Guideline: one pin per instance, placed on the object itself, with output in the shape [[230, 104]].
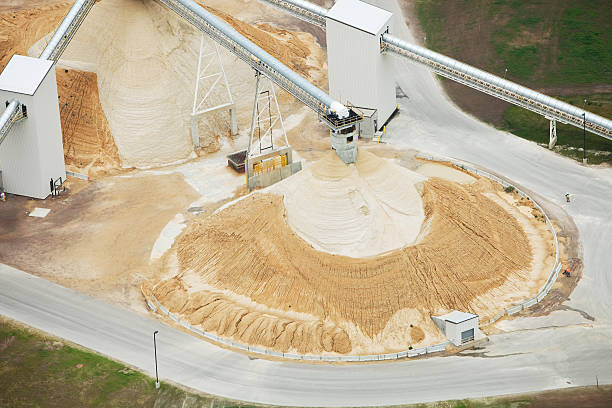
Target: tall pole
[[584, 158], [155, 348]]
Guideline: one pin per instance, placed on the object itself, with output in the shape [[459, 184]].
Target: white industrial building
[[32, 154], [358, 73], [458, 327]]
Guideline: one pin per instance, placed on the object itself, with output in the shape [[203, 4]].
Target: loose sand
[[245, 274], [145, 58], [357, 211], [89, 147]]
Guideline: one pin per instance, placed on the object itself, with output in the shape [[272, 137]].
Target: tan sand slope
[[245, 274], [89, 147], [146, 58], [357, 210]]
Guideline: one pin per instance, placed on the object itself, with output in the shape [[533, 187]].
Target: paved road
[[184, 359], [543, 357]]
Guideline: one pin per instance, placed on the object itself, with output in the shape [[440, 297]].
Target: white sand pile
[[357, 210], [146, 60]]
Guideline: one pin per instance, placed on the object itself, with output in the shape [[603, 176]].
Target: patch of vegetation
[[40, 371], [37, 370], [570, 139], [563, 44]]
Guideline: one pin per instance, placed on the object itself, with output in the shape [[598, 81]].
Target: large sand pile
[[357, 211], [244, 273], [145, 58]]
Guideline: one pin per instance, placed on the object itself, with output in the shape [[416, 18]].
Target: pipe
[[63, 29], [259, 56], [7, 118]]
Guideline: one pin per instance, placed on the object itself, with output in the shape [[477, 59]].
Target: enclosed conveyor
[[67, 29], [13, 113], [334, 114], [304, 10], [551, 108], [498, 87]]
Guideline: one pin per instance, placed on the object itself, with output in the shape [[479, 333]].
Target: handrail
[[500, 88], [468, 75]]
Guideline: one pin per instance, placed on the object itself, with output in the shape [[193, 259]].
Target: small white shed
[[458, 327], [358, 73], [32, 154]]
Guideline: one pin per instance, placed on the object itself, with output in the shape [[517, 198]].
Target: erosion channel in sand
[[252, 272]]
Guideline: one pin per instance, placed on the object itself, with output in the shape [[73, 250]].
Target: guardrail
[[155, 305], [554, 273], [436, 348]]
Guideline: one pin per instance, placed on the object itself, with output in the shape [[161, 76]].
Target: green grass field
[[557, 44], [40, 371], [37, 370]]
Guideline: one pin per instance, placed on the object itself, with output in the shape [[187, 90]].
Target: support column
[[195, 137], [553, 134], [208, 94], [233, 121]]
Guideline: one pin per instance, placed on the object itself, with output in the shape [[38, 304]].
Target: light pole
[[505, 72], [155, 348]]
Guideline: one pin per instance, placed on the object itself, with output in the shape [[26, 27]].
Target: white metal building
[[358, 73], [458, 327], [32, 154]]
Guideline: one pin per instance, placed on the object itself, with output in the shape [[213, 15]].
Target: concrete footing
[[345, 146]]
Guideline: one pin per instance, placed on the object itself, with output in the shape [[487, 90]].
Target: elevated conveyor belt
[[493, 85], [54, 49], [304, 10], [498, 87], [11, 115], [66, 30], [331, 112]]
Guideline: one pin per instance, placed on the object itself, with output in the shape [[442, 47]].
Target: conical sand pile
[[245, 274]]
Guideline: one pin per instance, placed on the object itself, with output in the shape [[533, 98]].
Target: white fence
[[402, 354], [554, 273], [306, 357]]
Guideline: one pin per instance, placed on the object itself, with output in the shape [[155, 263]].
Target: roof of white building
[[360, 15], [24, 74], [457, 317]]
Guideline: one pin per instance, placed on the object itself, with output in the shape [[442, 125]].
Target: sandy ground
[[89, 147], [97, 237], [245, 274]]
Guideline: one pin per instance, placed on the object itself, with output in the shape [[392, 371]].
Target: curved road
[[540, 353]]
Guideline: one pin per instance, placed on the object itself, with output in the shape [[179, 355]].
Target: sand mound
[[146, 58], [247, 262], [358, 210]]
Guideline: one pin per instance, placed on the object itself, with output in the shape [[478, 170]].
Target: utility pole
[[155, 348]]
